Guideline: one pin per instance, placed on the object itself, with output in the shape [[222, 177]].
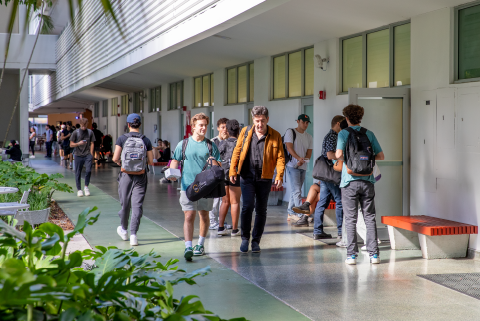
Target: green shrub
[[38, 281]]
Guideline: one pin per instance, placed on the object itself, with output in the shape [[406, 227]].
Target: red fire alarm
[[322, 94], [184, 108]]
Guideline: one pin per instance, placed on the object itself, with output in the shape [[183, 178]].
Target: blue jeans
[[295, 177], [328, 191]]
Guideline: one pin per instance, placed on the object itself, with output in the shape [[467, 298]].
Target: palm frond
[[47, 25]]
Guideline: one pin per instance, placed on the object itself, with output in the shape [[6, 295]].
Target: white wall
[[445, 133]]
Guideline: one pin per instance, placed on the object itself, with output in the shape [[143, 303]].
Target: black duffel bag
[[206, 183], [323, 170]]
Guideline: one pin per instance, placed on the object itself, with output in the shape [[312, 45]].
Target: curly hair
[[233, 128], [354, 113]]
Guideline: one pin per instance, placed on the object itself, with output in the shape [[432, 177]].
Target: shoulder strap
[[209, 144], [184, 148], [294, 134], [363, 130]]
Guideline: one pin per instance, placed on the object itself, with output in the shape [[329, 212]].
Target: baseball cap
[[131, 118], [305, 118]]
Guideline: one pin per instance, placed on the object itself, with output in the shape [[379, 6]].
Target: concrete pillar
[[401, 239], [444, 246], [23, 112]]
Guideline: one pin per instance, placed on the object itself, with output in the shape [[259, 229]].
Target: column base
[[444, 246], [401, 239]]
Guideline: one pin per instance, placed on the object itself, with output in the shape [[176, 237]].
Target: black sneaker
[[244, 246], [303, 209], [255, 247], [323, 235], [303, 221]]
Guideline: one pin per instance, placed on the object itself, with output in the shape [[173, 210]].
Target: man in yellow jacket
[[258, 152]]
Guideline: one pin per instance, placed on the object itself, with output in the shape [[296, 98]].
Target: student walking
[[359, 148], [67, 150], [257, 153], [133, 152], [32, 138], [222, 136], [197, 151], [59, 142], [98, 140], [328, 190], [233, 190], [48, 141], [83, 141], [299, 146]]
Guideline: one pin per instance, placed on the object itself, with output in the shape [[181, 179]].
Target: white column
[[23, 112]]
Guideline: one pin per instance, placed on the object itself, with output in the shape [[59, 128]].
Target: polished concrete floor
[[294, 276]]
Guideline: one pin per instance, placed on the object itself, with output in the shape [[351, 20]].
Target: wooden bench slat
[[429, 225]]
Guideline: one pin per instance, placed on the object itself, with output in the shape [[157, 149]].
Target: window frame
[[174, 99], [363, 34], [247, 65], [211, 101], [302, 71], [456, 80]]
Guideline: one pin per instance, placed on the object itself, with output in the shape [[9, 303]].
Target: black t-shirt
[[66, 141], [122, 139], [15, 153], [98, 137], [166, 155]]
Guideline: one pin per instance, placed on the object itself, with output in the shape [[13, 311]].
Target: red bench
[[163, 164], [436, 237]]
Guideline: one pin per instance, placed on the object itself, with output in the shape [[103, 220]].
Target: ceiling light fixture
[[222, 37]]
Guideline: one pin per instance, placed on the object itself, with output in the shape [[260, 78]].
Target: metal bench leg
[[401, 239], [444, 246]]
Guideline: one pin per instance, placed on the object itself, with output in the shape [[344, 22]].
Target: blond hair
[[199, 116]]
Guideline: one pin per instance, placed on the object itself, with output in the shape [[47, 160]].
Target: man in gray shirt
[[48, 141], [82, 140]]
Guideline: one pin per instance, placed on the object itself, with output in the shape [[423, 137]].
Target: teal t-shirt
[[196, 156], [341, 144]]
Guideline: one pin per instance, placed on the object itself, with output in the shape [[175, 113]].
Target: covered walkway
[[293, 278]]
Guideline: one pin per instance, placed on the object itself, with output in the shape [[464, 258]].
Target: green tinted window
[[378, 59], [352, 63], [469, 43], [401, 55]]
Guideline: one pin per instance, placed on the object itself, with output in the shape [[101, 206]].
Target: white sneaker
[[213, 225], [87, 191], [239, 233], [133, 240], [351, 260], [61, 158], [32, 156], [375, 259], [155, 160], [80, 193], [71, 165], [364, 248], [341, 244], [122, 233], [223, 232]]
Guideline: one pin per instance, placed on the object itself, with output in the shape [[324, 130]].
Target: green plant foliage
[[41, 186], [38, 281]]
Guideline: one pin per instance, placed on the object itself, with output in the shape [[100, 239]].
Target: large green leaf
[[111, 260]]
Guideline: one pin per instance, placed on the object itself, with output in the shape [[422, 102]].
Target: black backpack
[[359, 154], [226, 150], [288, 157], [210, 182]]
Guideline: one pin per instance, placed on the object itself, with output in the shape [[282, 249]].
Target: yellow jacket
[[272, 154]]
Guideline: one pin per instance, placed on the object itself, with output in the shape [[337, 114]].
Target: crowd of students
[[254, 160]]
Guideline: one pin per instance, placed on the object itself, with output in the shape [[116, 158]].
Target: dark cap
[[131, 118], [13, 142], [305, 118]]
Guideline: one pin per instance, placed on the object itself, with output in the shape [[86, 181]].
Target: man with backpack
[[359, 149], [328, 190], [299, 145], [193, 153], [258, 153], [133, 152], [82, 140]]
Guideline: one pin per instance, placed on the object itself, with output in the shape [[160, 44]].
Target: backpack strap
[[363, 130], [210, 147], [184, 148], [294, 135]]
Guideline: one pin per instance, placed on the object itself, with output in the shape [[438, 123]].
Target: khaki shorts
[[204, 204]]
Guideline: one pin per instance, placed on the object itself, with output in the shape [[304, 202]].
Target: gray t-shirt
[[77, 136]]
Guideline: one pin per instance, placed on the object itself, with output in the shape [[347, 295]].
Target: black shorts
[[237, 182], [67, 150], [96, 148]]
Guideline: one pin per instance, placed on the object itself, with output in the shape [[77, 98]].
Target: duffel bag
[[205, 182], [323, 170]]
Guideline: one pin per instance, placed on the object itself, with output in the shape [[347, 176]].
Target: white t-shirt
[[303, 142]]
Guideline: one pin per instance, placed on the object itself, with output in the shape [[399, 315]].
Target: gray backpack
[[134, 154]]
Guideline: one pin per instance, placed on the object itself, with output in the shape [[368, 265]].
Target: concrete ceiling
[[295, 24]]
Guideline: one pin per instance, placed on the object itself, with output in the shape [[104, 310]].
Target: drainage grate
[[466, 283]]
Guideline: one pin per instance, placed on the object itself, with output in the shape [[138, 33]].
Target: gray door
[[387, 112]]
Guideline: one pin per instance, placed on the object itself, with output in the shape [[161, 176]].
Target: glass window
[[309, 68], [136, 102], [401, 55], [279, 77], [232, 86], [352, 63], [206, 90], [105, 108], [211, 90], [114, 110], [295, 74], [151, 101], [469, 42], [198, 92], [242, 84], [378, 59], [179, 102], [96, 110], [176, 95], [251, 81], [158, 99]]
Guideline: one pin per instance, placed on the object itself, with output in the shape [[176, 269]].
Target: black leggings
[[32, 147]]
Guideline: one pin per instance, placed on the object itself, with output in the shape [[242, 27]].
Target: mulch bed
[[58, 217]]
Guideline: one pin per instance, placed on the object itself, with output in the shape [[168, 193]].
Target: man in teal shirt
[[358, 189], [197, 154]]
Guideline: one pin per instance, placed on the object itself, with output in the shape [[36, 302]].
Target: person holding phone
[[83, 141]]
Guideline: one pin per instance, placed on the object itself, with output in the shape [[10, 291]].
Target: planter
[[33, 217]]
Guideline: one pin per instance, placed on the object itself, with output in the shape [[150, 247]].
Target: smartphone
[[84, 141]]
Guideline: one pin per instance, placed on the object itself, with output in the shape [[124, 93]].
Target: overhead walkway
[[294, 277]]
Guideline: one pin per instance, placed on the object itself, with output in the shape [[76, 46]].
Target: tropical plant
[[39, 281]]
